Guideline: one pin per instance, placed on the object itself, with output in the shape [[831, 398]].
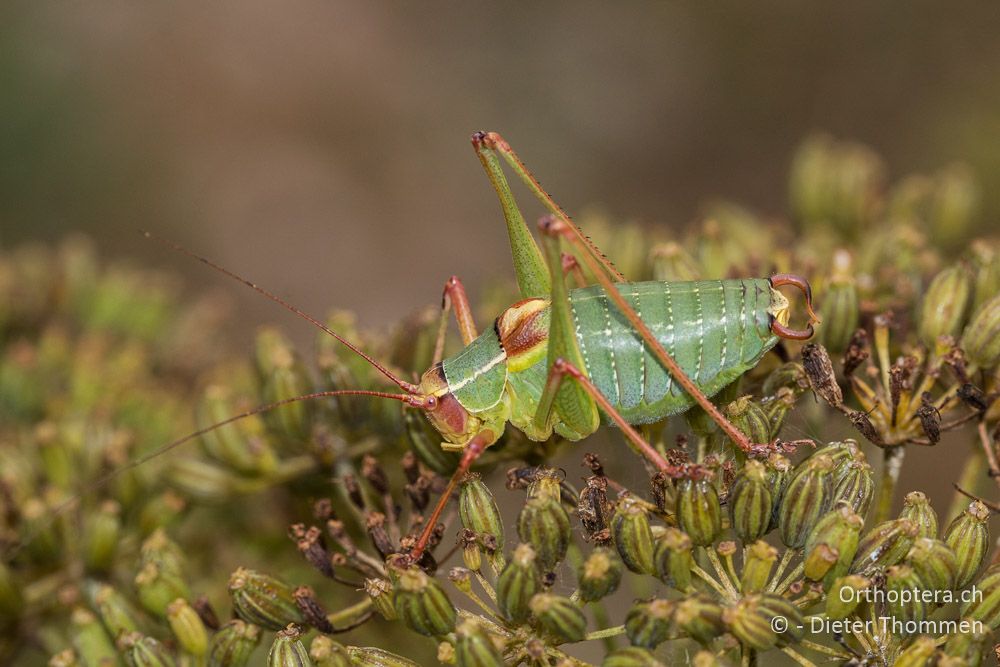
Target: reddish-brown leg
[[561, 369], [555, 227], [454, 297], [572, 267], [472, 451], [491, 141]]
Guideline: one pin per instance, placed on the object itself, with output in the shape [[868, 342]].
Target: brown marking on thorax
[[522, 329]]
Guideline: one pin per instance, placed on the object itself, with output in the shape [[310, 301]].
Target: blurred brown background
[[322, 147]]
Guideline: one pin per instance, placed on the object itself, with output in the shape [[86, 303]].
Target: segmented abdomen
[[716, 330]]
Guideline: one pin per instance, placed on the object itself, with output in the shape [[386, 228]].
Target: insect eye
[[431, 403]]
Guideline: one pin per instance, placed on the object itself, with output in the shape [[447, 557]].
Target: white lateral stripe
[[500, 358]]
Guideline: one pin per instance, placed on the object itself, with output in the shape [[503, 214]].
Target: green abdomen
[[716, 330]]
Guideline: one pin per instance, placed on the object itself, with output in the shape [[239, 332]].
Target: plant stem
[[972, 473], [349, 614], [776, 577], [606, 632], [989, 450], [720, 571], [707, 578], [601, 618], [790, 579], [801, 659], [892, 464], [820, 648]]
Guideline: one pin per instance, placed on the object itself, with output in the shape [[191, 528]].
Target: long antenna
[[107, 477], [402, 384]]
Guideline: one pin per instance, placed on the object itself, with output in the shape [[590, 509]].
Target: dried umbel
[[99, 367]]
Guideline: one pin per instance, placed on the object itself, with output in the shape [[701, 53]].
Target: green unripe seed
[[674, 558], [560, 616], [633, 656], [805, 500], [760, 559], [283, 376], [287, 650], [325, 652], [474, 646], [917, 508], [544, 524], [422, 604], [599, 575], [884, 545], [981, 340], [633, 535], [700, 617], [900, 583], [234, 444], [647, 624], [91, 642], [774, 606], [116, 613], [142, 651], [934, 562], [836, 534], [855, 484], [844, 595], [946, 303], [698, 511], [519, 581], [985, 605], [263, 600], [159, 587], [383, 597], [918, 654], [968, 646], [101, 536], [750, 418], [750, 625], [233, 644], [969, 537], [187, 627], [478, 509], [840, 314], [779, 473], [750, 502]]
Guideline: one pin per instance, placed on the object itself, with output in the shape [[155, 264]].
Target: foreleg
[[454, 297]]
